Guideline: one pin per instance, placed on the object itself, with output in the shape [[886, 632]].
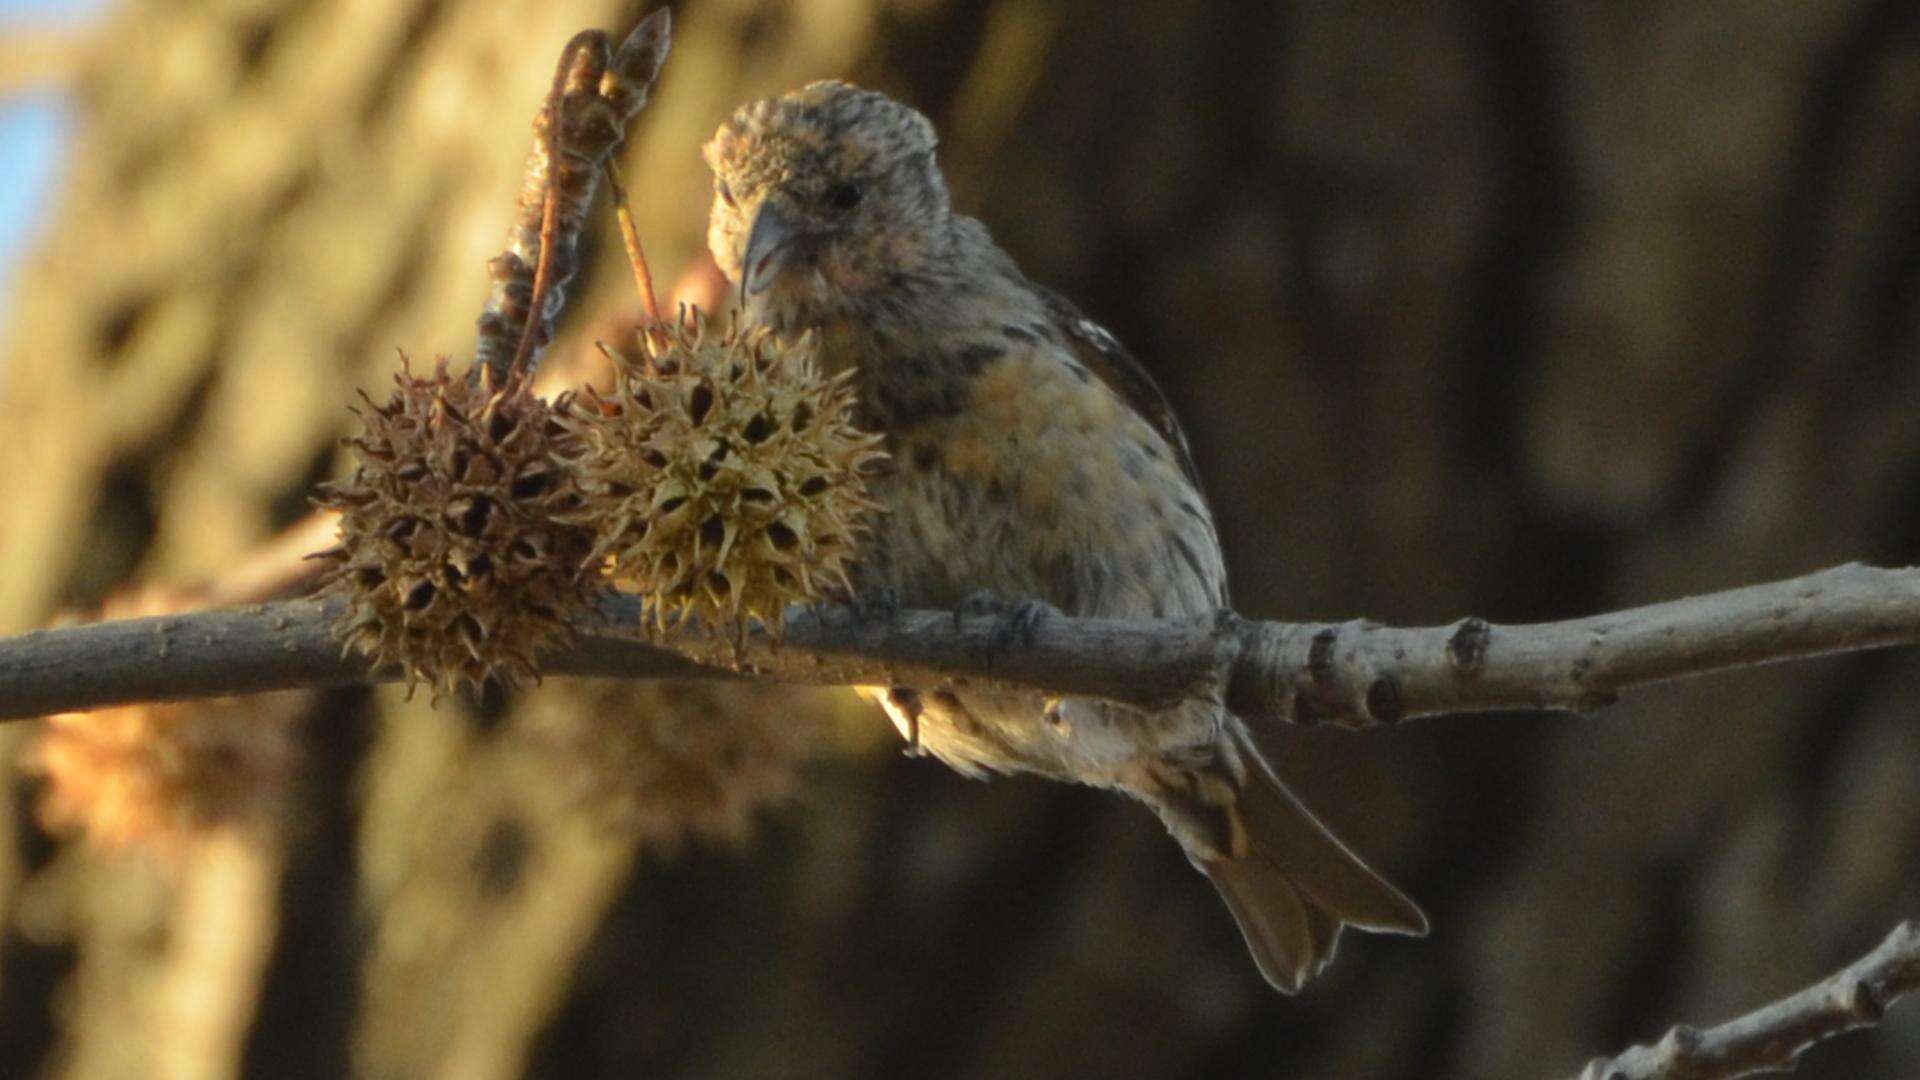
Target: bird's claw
[[876, 604], [1019, 619]]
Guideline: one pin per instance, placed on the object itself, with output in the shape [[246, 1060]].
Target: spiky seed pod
[[723, 474], [452, 554], [161, 776]]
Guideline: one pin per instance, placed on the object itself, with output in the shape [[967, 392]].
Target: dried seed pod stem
[[596, 93], [630, 235]]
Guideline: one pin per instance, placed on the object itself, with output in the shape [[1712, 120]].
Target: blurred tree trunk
[[1524, 310]]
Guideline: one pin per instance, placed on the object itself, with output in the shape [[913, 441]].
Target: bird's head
[[822, 196]]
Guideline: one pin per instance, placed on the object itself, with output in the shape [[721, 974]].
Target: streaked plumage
[[1036, 459]]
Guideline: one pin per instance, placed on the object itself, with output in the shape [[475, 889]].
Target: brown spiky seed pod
[[452, 553], [723, 474]]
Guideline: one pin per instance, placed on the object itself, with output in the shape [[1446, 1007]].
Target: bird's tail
[[1290, 883]]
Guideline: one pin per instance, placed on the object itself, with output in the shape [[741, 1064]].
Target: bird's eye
[[726, 193], [844, 196]]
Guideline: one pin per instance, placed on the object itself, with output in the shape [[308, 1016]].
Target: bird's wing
[[1102, 353]]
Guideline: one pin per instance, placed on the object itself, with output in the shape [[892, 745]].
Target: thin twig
[[1772, 1038], [630, 235], [1354, 673]]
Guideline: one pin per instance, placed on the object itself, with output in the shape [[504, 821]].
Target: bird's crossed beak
[[771, 244]]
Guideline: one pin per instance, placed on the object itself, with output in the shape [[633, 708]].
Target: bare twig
[[231, 651], [596, 92], [1355, 673], [1772, 1038], [630, 235]]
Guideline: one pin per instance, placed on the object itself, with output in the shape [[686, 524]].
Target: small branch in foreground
[[1772, 1038], [1355, 673]]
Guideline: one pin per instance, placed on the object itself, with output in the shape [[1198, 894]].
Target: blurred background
[[1525, 310]]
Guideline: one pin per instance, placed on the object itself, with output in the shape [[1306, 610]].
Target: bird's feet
[[1019, 619], [873, 605]]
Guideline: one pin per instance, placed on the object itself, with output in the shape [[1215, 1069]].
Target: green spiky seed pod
[[453, 555], [723, 475]]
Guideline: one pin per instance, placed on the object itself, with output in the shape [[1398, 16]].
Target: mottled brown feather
[[1110, 361]]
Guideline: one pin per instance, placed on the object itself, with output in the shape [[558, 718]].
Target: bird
[[1035, 468]]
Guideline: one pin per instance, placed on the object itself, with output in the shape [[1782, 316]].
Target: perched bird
[[1036, 461]]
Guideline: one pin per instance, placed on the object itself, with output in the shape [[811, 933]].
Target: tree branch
[[1354, 673], [1772, 1038]]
